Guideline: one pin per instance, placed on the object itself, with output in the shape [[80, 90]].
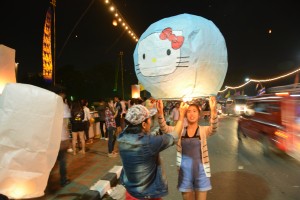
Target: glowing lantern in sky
[[30, 132], [181, 56], [135, 91], [7, 66]]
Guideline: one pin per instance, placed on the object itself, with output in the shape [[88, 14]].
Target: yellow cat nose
[[154, 60]]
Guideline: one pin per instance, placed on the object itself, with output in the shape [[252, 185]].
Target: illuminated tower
[[48, 57]]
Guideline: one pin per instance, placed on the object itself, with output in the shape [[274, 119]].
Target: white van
[[236, 104]]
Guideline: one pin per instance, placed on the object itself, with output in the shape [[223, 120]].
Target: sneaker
[[106, 138], [111, 155], [103, 138], [70, 150]]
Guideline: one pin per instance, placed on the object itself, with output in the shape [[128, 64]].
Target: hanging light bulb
[[114, 23]]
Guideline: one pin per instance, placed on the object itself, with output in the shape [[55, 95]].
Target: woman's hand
[[213, 106], [160, 107], [182, 110]]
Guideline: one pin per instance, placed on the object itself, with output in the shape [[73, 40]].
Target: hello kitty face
[[159, 54]]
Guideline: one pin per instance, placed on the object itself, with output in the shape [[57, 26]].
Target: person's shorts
[[118, 120], [193, 180]]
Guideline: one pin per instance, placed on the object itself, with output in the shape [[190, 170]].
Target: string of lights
[[119, 19], [259, 81]]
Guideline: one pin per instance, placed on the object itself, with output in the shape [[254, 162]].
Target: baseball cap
[[139, 113]]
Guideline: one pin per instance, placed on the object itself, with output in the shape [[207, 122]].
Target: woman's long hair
[[76, 108]]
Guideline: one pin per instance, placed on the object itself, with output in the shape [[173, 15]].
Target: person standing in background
[[118, 109], [123, 113], [87, 117], [101, 113], [175, 114], [77, 116], [64, 144], [110, 115]]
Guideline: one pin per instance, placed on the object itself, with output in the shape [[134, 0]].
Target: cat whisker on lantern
[[182, 62], [182, 66]]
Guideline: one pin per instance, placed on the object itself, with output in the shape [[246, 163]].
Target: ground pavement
[[83, 171]]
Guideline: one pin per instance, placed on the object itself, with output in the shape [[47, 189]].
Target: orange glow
[[281, 134], [135, 91], [112, 8], [115, 23], [19, 189], [282, 94], [7, 66]]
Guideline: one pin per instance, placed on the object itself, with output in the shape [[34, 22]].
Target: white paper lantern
[[135, 91], [181, 56], [30, 134], [7, 66]]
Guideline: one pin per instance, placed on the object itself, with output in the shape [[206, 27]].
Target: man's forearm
[[163, 125]]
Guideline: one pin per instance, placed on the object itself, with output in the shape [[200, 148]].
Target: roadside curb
[[101, 187]]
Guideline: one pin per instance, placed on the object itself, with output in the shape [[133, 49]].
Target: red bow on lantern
[[176, 41]]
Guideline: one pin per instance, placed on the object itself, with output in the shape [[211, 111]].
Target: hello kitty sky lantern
[[183, 56]]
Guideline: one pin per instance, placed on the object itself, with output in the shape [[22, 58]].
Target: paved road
[[239, 170], [83, 170]]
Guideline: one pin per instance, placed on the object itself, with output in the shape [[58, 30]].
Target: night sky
[[252, 50]]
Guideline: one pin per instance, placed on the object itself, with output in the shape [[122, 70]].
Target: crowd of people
[[140, 129]]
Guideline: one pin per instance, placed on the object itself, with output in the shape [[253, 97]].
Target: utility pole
[[122, 72]]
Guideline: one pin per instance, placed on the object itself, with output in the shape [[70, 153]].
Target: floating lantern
[[7, 66], [181, 56], [135, 91], [30, 132]]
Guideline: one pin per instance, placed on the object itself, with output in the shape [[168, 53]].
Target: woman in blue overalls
[[194, 170]]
